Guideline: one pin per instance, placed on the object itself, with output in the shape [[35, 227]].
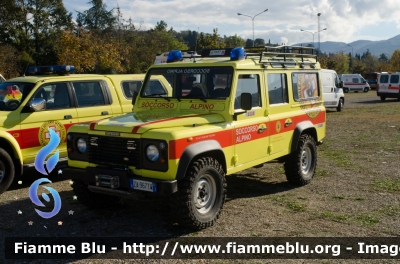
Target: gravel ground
[[355, 194]]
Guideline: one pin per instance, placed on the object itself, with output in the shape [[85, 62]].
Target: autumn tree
[[234, 41], [395, 61]]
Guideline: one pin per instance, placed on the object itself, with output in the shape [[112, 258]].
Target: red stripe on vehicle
[[227, 138], [136, 128]]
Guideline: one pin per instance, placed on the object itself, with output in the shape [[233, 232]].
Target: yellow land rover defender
[[223, 112]]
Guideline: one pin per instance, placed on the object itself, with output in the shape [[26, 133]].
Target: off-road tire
[[301, 164], [339, 108], [383, 98], [91, 199], [201, 194], [7, 170]]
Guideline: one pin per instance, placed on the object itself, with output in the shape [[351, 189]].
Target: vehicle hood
[[138, 123]]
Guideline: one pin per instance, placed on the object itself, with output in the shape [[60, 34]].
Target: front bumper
[[113, 181]]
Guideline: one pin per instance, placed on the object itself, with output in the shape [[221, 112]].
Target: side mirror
[[37, 104], [134, 96], [246, 101]]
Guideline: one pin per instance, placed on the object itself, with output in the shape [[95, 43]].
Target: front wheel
[[339, 108], [366, 90], [301, 164], [7, 170], [201, 194]]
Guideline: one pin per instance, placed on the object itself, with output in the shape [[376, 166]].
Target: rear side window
[[384, 79], [277, 88], [355, 80], [248, 83], [305, 86], [128, 87], [88, 94], [394, 79]]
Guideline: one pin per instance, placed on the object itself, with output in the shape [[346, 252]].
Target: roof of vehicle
[[37, 78], [277, 57]]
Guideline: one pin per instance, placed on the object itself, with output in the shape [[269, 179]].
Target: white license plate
[[143, 185]]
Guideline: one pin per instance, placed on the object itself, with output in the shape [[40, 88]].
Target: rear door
[[394, 85], [92, 100]]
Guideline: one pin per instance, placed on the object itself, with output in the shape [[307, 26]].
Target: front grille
[[114, 151]]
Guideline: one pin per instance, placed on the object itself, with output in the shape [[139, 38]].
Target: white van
[[332, 89], [354, 82], [389, 85]]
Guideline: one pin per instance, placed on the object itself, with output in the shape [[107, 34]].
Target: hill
[[360, 46]]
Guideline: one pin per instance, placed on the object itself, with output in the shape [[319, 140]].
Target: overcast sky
[[345, 20]]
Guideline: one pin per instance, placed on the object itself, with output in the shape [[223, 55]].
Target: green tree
[[259, 42], [97, 18], [209, 41], [234, 41], [395, 61]]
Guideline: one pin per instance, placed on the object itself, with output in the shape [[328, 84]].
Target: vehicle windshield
[[199, 82], [12, 94]]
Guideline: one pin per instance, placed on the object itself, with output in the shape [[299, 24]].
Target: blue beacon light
[[174, 55], [238, 53]]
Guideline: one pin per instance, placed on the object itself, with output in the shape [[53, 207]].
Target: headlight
[[81, 145], [152, 153]]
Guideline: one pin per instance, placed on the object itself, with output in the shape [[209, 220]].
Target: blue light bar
[[238, 53], [174, 55], [54, 69]]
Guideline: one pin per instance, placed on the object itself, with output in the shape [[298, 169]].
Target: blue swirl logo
[[45, 151], [35, 199], [40, 167]]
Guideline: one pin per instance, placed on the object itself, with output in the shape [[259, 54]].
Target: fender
[[194, 150], [300, 127], [16, 150]]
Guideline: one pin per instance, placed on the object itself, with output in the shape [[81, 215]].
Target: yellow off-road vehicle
[[222, 113]]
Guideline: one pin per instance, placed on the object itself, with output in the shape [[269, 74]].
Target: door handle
[[288, 123], [104, 113], [68, 117], [260, 130]]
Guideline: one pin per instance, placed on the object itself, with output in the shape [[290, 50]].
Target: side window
[[56, 96], [394, 79], [88, 94], [384, 79], [155, 88], [337, 81], [128, 87], [305, 86], [248, 83], [355, 80], [277, 88]]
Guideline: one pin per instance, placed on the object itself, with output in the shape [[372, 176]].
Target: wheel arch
[[305, 127], [9, 144], [210, 148]]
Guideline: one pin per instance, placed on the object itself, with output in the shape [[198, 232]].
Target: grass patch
[[337, 156], [367, 219], [292, 205], [358, 199], [336, 217], [390, 210], [388, 184]]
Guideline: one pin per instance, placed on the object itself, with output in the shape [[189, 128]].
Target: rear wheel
[[345, 90], [7, 170], [91, 199], [339, 108], [301, 164], [201, 194], [383, 98]]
